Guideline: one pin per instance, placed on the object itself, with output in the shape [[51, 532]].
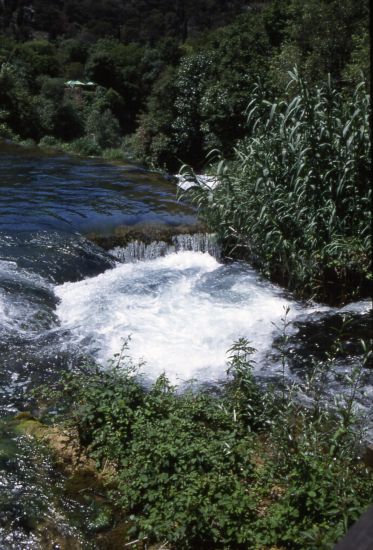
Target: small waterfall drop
[[139, 251]]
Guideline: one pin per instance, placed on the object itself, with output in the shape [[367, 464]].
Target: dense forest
[[170, 80], [129, 21]]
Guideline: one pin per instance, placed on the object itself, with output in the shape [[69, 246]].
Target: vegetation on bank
[[235, 467], [170, 82], [296, 199]]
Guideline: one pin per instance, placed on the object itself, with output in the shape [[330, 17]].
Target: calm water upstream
[[63, 298]]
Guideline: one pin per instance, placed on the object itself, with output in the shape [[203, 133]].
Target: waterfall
[[199, 242], [138, 250]]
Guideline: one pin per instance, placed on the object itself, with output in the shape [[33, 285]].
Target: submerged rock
[[146, 233], [104, 525], [68, 454]]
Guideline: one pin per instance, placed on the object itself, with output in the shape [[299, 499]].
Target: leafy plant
[[235, 467]]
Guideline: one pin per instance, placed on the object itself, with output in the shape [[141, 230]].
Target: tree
[[38, 57], [104, 128], [154, 139], [323, 31], [120, 67], [18, 111], [190, 85]]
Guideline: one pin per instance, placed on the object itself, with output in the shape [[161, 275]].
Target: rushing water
[[62, 298], [183, 312]]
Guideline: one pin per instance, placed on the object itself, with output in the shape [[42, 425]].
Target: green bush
[[84, 146], [7, 133], [113, 154], [124, 153], [104, 128], [27, 142], [17, 106], [237, 467], [49, 141]]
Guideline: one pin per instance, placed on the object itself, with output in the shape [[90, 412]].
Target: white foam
[[363, 306], [200, 180], [183, 312], [3, 310]]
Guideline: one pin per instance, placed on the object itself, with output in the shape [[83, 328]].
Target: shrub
[[49, 141], [238, 467], [104, 128], [6, 132], [27, 142], [84, 146], [114, 154]]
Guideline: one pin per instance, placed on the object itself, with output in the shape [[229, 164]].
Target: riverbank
[[81, 148], [234, 466]]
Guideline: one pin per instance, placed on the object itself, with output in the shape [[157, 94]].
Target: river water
[[63, 299]]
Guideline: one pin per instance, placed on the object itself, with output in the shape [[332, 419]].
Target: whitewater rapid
[[182, 313]]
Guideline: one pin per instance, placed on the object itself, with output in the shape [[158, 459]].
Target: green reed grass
[[296, 199]]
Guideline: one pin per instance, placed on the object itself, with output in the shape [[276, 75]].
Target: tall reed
[[296, 199]]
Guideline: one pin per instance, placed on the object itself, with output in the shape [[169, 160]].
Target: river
[[63, 299]]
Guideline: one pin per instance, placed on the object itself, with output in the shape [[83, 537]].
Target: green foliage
[[190, 85], [52, 89], [73, 51], [359, 65], [56, 114], [296, 199], [49, 141], [112, 64], [153, 141], [6, 132], [241, 467], [323, 32], [103, 127], [241, 54], [16, 102], [68, 121], [39, 57], [114, 154], [84, 146], [190, 110], [142, 21], [180, 75], [286, 57]]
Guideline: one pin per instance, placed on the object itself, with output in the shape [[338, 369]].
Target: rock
[[68, 455], [116, 538], [50, 537], [368, 455], [146, 233], [24, 415], [26, 424], [83, 483]]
